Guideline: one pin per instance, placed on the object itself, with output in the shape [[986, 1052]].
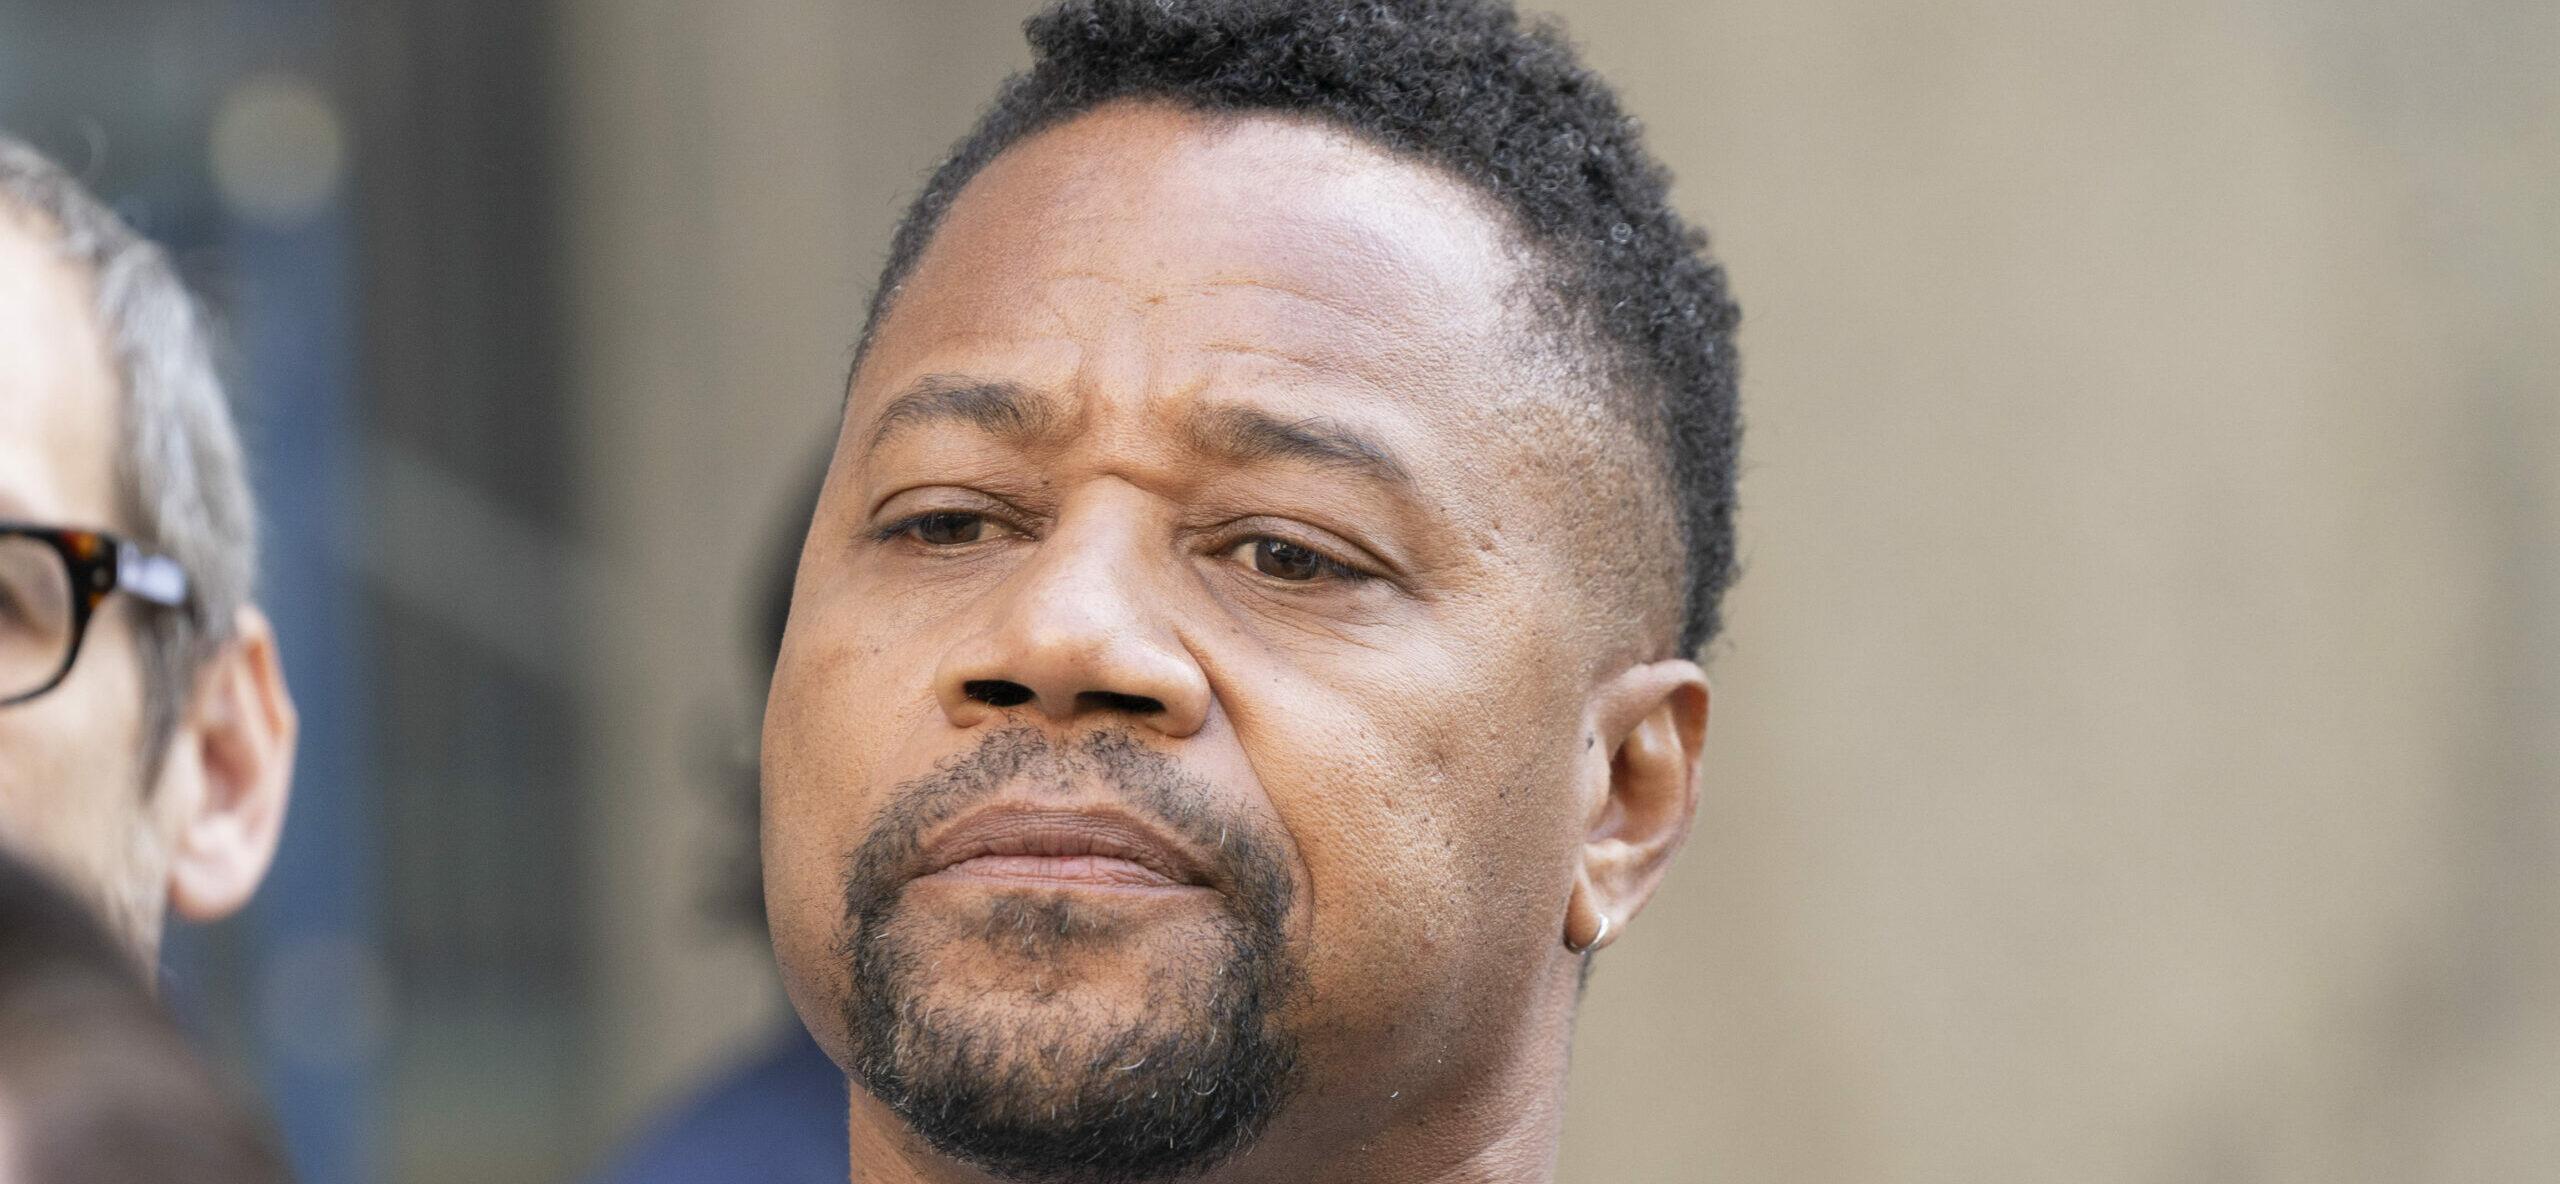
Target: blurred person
[[96, 1084], [146, 737], [777, 1116], [1242, 663]]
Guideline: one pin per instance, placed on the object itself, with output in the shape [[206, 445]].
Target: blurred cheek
[[71, 792]]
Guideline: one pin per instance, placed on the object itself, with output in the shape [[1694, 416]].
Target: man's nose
[[1081, 630]]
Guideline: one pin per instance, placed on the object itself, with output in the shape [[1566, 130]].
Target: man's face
[[1187, 673], [71, 760]]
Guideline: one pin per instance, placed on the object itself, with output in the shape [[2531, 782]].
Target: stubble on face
[[1040, 1079]]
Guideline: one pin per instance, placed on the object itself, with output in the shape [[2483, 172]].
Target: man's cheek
[[68, 792], [831, 717], [803, 897], [1377, 862], [804, 833], [1340, 765]]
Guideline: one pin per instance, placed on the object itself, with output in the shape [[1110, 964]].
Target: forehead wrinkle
[[1343, 306], [1260, 351], [1176, 313], [1330, 345]]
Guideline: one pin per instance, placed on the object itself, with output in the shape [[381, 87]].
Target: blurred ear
[[229, 770], [1649, 725]]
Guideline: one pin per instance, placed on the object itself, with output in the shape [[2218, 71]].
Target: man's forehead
[[1280, 242], [58, 405]]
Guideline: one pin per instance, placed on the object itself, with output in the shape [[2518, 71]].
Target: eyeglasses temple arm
[[156, 578]]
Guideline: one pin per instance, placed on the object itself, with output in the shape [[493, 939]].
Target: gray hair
[[179, 474]]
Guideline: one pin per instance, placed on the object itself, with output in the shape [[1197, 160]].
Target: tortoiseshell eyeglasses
[[52, 581]]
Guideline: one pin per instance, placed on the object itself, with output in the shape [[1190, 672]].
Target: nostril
[[1115, 701], [996, 692]]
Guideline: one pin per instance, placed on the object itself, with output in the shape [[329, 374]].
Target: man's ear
[[229, 770], [1648, 726]]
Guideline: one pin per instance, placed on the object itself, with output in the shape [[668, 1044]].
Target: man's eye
[[945, 529], [1283, 560]]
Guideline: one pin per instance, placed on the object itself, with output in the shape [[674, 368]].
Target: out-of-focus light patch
[[279, 149], [324, 1004]]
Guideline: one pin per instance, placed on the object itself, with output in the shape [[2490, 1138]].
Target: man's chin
[[1038, 1045], [1049, 1036], [1054, 994], [1068, 1090], [1032, 954]]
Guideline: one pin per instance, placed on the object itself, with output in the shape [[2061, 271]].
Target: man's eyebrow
[[1002, 409], [1244, 433]]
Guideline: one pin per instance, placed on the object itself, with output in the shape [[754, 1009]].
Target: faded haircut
[[179, 475]]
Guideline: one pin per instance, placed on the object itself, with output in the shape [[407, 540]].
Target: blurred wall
[[2135, 758], [2133, 755]]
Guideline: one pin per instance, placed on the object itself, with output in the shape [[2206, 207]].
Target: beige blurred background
[[2136, 753], [2136, 743]]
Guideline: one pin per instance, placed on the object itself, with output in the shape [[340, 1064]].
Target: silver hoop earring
[[1596, 938]]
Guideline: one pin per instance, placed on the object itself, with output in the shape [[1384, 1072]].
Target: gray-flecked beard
[[1168, 1089]]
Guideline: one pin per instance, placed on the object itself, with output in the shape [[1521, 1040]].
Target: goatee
[[1166, 1088]]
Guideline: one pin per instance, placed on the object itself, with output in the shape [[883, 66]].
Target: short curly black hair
[[1472, 88]]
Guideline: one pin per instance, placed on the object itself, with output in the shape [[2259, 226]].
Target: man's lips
[[1092, 848]]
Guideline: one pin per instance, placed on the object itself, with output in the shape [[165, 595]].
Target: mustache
[[1173, 1083], [1242, 860]]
